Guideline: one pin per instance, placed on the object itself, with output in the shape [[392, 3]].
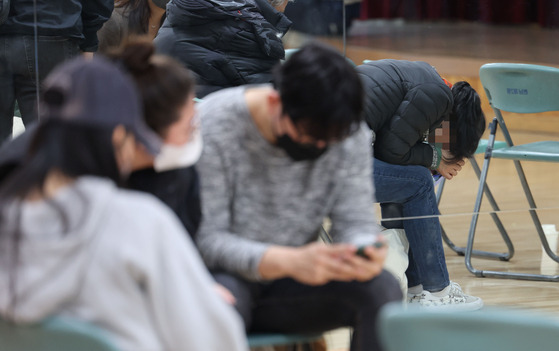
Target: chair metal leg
[[506, 239], [533, 212], [477, 206], [440, 190], [446, 239], [486, 254], [324, 235]]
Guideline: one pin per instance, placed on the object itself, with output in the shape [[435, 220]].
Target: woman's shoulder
[[123, 202], [140, 203], [140, 216]]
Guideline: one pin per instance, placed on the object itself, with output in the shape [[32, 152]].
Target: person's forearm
[[275, 263]]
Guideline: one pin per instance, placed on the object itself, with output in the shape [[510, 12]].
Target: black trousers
[[17, 73], [287, 306]]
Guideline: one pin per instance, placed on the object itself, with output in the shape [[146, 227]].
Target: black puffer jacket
[[224, 42], [79, 19], [404, 100]]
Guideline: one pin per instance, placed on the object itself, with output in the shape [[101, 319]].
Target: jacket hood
[[57, 246], [267, 24], [195, 12]]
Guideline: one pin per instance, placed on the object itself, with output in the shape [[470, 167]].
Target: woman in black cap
[[73, 244]]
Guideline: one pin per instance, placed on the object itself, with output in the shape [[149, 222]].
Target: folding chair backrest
[[521, 88], [54, 334], [490, 329]]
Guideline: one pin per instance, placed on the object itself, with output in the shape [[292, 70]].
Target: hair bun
[[136, 54]]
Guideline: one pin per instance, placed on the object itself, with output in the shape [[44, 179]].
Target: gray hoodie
[[121, 261]]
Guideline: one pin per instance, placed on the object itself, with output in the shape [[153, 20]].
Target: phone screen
[[361, 250]]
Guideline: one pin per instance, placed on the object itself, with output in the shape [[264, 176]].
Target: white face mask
[[173, 157]]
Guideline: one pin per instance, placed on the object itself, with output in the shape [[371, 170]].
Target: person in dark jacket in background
[[422, 126], [225, 43], [64, 28]]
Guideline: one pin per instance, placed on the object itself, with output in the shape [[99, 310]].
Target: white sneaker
[[414, 298], [450, 298]]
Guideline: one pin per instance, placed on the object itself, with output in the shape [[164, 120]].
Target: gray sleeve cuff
[[232, 254]]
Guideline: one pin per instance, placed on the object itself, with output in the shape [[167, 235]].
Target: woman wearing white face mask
[[180, 149], [167, 91]]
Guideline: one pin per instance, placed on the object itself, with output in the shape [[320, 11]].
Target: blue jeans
[[17, 73], [412, 187], [287, 306]]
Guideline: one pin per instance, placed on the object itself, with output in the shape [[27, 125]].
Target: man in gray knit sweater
[[276, 162]]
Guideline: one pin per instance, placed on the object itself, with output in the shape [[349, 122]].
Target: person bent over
[[424, 128]]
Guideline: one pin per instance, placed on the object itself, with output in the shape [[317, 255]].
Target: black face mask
[[299, 152]]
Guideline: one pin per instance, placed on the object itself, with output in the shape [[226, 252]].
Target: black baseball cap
[[97, 92]]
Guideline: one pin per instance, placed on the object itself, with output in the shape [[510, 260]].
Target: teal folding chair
[[503, 256], [272, 339], [53, 334], [489, 329], [518, 88]]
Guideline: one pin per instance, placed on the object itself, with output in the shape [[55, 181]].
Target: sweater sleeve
[[353, 215], [188, 312], [219, 246], [94, 14]]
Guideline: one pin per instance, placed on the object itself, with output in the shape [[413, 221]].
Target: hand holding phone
[[368, 260], [361, 250]]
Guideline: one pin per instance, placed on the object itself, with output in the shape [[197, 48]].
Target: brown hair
[[163, 83], [138, 13]]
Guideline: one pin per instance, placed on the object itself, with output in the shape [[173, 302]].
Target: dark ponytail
[[137, 12], [73, 148], [164, 84]]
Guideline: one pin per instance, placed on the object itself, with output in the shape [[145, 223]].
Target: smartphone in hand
[[361, 250]]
